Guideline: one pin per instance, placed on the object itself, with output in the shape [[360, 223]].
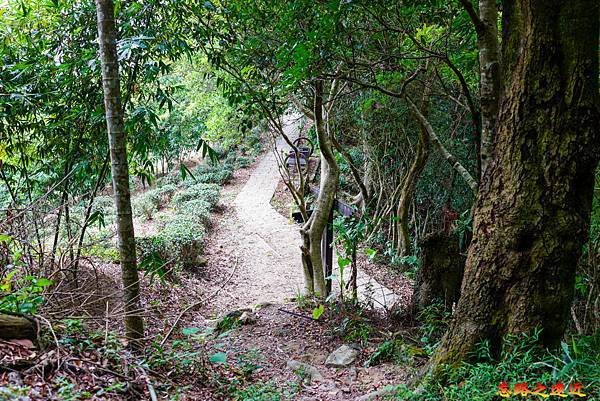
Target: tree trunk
[[533, 210], [490, 77], [107, 34], [404, 245], [441, 272], [324, 203], [17, 327]]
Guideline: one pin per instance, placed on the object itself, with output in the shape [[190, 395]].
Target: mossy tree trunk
[[533, 210], [107, 35]]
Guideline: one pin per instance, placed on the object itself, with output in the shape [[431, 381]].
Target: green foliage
[[179, 242], [197, 210], [22, 294], [19, 291], [434, 320], [219, 357], [183, 356], [227, 323], [394, 350], [521, 361], [144, 206], [148, 203], [206, 192], [104, 250], [217, 174], [354, 327], [261, 392], [318, 311]]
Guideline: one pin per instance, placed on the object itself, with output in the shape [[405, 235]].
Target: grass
[[522, 361]]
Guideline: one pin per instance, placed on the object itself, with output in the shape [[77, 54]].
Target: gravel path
[[263, 246]]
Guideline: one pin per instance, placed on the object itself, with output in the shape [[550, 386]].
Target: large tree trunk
[[107, 34], [533, 209]]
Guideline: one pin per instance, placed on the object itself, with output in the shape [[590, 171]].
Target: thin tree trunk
[[532, 213], [490, 73], [324, 203], [107, 34], [404, 243]]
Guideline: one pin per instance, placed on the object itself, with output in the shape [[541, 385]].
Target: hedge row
[[180, 241]]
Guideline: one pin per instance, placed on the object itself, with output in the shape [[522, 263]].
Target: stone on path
[[312, 373], [342, 357]]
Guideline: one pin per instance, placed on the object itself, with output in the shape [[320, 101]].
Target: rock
[[302, 368], [261, 305], [342, 357], [375, 394], [15, 379], [247, 318]]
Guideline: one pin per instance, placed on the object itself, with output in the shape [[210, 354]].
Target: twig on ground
[[42, 318], [296, 314], [197, 304]]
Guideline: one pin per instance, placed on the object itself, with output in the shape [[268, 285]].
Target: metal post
[[327, 250]]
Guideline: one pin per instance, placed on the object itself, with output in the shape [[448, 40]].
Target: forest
[[276, 200]]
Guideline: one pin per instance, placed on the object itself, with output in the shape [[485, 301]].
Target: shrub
[[236, 161], [104, 204], [152, 200], [144, 207], [196, 209], [173, 178], [180, 242], [206, 192], [218, 174]]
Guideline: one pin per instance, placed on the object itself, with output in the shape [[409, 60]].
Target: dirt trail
[[262, 245], [253, 258]]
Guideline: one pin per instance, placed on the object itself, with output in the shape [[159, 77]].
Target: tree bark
[[404, 245], [107, 35], [532, 213], [490, 73], [17, 327], [324, 203]]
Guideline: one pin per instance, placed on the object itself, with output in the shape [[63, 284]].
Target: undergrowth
[[522, 361]]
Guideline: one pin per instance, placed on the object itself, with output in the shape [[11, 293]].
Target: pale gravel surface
[[263, 246], [258, 242]]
